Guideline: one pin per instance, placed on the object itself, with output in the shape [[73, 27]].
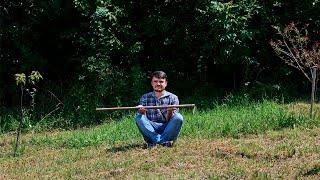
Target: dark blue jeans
[[154, 132]]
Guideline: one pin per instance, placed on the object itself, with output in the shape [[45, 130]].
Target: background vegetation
[[100, 53]]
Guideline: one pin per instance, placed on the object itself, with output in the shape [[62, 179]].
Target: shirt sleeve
[[175, 101], [143, 101]]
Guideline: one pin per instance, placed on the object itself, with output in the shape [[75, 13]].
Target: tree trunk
[[20, 124], [314, 76]]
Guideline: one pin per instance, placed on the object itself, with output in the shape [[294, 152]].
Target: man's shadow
[[124, 148]]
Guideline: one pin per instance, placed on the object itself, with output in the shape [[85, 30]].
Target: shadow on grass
[[313, 171], [124, 148]]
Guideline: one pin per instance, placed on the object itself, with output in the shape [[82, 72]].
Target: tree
[[297, 50], [21, 81]]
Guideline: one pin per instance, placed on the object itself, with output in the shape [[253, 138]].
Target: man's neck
[[159, 94]]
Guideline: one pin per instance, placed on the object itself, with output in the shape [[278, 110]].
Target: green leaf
[[20, 79]]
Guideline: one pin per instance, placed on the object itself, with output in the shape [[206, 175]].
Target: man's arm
[[171, 111], [143, 102]]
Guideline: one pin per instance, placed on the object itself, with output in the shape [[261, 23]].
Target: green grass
[[237, 120], [221, 121], [263, 140]]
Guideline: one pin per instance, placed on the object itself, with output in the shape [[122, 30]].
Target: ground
[[284, 154]]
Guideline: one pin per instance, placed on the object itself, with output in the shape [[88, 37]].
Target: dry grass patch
[[290, 153], [302, 108]]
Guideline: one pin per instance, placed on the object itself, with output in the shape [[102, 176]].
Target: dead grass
[[304, 108], [285, 154]]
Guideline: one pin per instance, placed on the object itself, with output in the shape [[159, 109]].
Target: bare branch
[[293, 49]]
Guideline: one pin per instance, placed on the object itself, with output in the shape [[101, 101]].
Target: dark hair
[[159, 74]]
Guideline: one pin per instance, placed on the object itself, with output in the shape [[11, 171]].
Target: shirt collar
[[166, 93]]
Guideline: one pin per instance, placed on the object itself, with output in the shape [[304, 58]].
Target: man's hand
[[170, 113], [142, 110]]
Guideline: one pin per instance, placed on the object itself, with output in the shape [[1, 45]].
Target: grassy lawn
[[249, 142]]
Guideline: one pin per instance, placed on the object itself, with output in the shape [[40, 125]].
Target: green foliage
[[8, 120], [11, 117], [34, 77], [20, 79], [79, 109], [107, 48], [108, 66], [228, 28]]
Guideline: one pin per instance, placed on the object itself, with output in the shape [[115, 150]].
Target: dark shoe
[[167, 144], [151, 145]]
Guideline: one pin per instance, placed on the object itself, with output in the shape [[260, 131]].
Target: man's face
[[158, 85]]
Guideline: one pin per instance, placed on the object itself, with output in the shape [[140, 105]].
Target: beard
[[159, 89]]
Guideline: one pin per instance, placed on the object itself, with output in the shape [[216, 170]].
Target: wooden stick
[[147, 107]]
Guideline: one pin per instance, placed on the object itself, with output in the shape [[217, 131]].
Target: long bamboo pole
[[147, 107]]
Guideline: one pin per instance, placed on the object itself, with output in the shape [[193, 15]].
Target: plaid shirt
[[150, 99]]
